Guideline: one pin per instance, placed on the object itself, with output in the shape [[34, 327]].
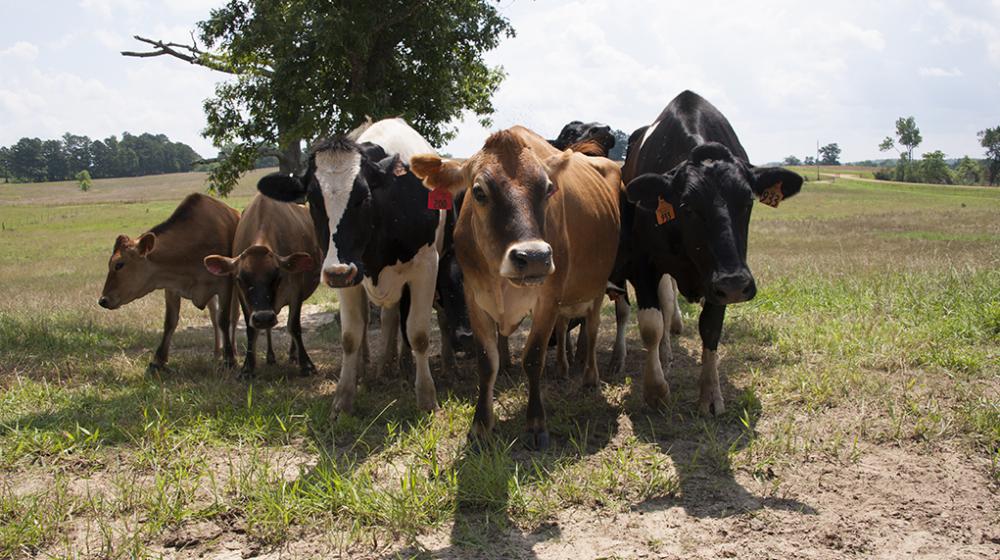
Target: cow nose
[[103, 302], [340, 275], [734, 288], [263, 319], [529, 260]]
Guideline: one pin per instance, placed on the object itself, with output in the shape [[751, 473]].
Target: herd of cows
[[524, 226]]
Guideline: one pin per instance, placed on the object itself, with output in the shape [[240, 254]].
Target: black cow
[[383, 243], [693, 188], [577, 132]]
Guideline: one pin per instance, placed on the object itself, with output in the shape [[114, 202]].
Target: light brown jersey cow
[[277, 264], [538, 234], [169, 257]]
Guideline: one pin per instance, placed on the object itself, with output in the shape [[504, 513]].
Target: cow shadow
[[701, 449]]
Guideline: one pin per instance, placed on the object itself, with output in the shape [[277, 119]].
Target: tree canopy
[[309, 68], [830, 154], [990, 139]]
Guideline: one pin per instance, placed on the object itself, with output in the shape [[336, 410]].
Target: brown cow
[[169, 257], [276, 265], [538, 235]]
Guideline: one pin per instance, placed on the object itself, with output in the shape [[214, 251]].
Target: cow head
[[705, 202], [341, 186], [259, 272], [130, 275], [508, 190], [578, 132]]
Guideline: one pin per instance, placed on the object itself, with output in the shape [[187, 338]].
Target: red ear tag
[[439, 199], [772, 195], [664, 212]]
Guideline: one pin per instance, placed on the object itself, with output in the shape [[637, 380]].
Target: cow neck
[[398, 233]]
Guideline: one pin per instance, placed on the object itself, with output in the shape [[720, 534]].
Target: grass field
[[862, 388]]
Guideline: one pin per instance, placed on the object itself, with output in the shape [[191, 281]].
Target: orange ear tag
[[772, 195], [439, 199], [664, 212]]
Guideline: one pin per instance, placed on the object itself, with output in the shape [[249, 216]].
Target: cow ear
[[648, 189], [297, 262], [219, 265], [774, 184], [392, 165], [438, 173], [558, 163], [145, 244], [282, 187]]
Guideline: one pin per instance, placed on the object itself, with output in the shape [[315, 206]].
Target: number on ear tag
[[772, 195], [664, 212], [439, 199]]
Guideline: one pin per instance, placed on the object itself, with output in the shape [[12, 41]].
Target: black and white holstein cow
[[382, 243], [694, 188]]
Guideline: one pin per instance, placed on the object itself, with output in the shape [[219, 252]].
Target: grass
[[877, 326]]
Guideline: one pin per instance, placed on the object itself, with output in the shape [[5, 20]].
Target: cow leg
[[301, 358], [227, 318], [173, 310], [620, 350], [710, 328], [590, 326], [503, 348], [562, 362], [488, 360], [668, 304], [533, 363], [449, 364], [654, 385], [676, 322], [250, 362], [213, 316], [582, 350], [390, 340], [418, 330], [271, 358], [353, 307]]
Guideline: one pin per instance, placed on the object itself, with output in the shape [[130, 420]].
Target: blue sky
[[785, 73]]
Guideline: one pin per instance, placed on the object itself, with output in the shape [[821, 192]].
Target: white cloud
[[111, 8], [935, 72], [20, 49]]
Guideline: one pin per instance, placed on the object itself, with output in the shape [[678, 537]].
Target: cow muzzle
[[340, 275], [733, 288], [528, 263], [106, 303], [263, 319]]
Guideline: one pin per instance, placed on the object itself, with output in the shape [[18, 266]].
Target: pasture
[[862, 389]]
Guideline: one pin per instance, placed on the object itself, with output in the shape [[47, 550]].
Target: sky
[[786, 73]]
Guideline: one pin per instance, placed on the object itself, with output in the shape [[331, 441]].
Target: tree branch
[[188, 53]]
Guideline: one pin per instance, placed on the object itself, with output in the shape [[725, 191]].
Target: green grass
[[877, 325]]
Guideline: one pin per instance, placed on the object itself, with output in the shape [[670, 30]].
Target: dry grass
[[862, 390]]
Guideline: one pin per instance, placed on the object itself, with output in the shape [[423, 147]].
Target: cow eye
[[119, 265], [550, 190], [479, 194]]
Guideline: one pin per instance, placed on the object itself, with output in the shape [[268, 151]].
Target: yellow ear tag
[[664, 212], [772, 195]]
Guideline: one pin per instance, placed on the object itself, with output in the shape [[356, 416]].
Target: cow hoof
[[271, 360], [307, 370], [343, 403], [713, 407], [656, 395], [427, 399], [156, 369], [536, 440]]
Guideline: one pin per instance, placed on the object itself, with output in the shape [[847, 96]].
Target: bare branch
[[188, 53]]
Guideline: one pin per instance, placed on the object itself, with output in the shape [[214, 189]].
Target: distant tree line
[[36, 160]]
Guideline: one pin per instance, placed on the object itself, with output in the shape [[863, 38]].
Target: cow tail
[[404, 312]]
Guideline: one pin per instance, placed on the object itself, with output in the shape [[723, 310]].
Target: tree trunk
[[290, 160]]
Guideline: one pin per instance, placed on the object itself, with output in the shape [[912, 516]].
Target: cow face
[[578, 132], [706, 202], [509, 189], [129, 273], [259, 272]]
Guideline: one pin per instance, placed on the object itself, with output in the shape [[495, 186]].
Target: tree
[[934, 169], [792, 160], [909, 137], [308, 68], [830, 154], [990, 139], [84, 180], [26, 160], [621, 145], [5, 163], [809, 161], [968, 172], [55, 160], [77, 150]]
